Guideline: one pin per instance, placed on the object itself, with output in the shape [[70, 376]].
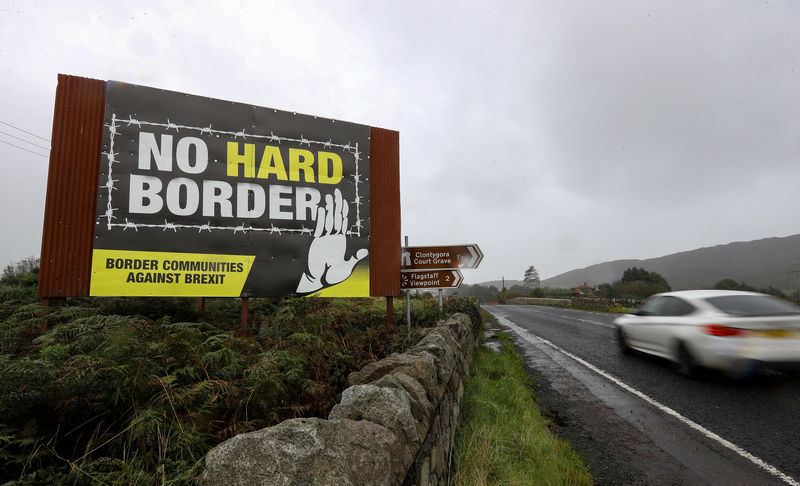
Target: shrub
[[24, 273], [469, 306]]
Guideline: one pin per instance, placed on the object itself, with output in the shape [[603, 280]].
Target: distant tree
[[555, 293], [730, 284], [776, 292], [24, 273], [483, 294], [727, 284], [634, 274], [637, 283], [606, 290], [638, 289], [531, 278]]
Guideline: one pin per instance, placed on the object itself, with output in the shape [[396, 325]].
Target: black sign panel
[[204, 197]]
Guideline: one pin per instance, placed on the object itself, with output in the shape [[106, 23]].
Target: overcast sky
[[554, 134]]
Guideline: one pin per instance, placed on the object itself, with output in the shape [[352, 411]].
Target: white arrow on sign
[[475, 257], [459, 278]]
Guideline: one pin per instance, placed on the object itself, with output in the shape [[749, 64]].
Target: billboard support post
[[245, 315], [389, 312]]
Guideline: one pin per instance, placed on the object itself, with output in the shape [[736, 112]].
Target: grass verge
[[608, 309], [502, 437]]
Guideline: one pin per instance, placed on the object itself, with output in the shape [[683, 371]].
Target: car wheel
[[622, 342], [685, 363]]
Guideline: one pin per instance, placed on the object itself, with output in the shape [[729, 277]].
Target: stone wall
[[539, 301], [395, 425], [601, 303], [583, 302]]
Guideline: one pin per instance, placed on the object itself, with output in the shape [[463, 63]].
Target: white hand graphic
[[326, 257]]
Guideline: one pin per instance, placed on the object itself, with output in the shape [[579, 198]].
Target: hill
[[759, 263]]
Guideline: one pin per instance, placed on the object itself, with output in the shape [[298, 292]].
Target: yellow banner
[[166, 274]]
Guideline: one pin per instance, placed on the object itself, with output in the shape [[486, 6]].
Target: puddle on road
[[490, 338]]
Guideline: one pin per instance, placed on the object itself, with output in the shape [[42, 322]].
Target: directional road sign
[[430, 279], [447, 257]]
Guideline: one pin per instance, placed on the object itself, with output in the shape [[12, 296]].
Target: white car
[[735, 332]]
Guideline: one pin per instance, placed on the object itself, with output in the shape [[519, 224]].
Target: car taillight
[[724, 331]]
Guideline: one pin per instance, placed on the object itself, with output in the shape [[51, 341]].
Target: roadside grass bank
[[502, 437], [609, 310], [612, 306]]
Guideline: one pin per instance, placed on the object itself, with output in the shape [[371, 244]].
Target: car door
[[664, 326], [639, 327]]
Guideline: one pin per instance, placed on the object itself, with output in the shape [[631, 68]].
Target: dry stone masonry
[[582, 302], [395, 425]]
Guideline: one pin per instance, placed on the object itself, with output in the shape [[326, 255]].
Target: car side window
[[673, 306], [651, 307]]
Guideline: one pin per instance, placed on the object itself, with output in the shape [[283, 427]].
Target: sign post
[[408, 305]]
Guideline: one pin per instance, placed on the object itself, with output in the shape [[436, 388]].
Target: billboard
[[205, 197]]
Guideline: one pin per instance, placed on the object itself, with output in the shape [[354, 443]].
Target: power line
[[23, 148], [24, 131], [26, 141]]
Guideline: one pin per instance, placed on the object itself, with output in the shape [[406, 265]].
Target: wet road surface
[[636, 421]]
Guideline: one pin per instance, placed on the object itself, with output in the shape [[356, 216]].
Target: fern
[[136, 391]]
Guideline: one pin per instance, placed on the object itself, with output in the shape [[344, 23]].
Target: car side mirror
[[638, 312]]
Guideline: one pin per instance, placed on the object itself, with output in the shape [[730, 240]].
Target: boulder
[[417, 395], [421, 367], [305, 452], [387, 406]]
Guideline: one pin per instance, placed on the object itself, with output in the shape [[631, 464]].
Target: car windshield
[[753, 305]]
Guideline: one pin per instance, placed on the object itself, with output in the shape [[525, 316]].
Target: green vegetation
[[730, 284], [483, 294], [503, 438], [602, 305], [136, 391], [493, 294], [19, 280], [636, 283]]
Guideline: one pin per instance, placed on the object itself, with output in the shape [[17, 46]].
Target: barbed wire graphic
[[111, 158]]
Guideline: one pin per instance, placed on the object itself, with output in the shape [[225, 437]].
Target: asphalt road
[[749, 432]]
